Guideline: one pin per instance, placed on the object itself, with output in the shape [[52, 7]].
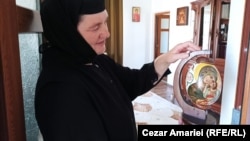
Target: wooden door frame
[[243, 83], [14, 20], [11, 111]]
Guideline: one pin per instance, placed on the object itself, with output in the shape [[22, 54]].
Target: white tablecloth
[[150, 108]]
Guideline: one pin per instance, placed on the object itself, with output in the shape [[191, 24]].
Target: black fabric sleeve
[[134, 81], [139, 81]]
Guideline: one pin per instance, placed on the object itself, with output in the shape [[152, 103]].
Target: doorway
[[162, 22]]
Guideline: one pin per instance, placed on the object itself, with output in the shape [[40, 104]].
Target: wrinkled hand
[[180, 51]]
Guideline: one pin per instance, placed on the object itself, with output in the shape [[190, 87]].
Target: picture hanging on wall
[[182, 16], [136, 11]]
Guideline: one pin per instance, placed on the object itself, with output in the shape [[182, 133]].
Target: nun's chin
[[99, 49], [101, 52]]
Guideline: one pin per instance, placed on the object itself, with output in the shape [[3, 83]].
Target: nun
[[82, 94]]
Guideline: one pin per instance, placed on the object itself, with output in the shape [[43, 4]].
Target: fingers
[[181, 56], [192, 46], [187, 46], [181, 51], [172, 57]]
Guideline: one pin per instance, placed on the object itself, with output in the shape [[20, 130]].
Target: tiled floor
[[164, 90]]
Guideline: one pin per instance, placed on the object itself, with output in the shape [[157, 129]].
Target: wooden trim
[[11, 110], [197, 7], [28, 20], [243, 60], [245, 117], [243, 85]]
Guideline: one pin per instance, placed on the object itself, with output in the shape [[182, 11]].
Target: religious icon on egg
[[205, 88]]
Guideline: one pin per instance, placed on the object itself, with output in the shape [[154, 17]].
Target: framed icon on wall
[[136, 14], [182, 16]]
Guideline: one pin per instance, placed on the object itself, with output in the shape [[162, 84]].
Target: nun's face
[[94, 29]]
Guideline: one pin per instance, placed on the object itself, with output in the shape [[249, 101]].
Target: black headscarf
[[60, 18]]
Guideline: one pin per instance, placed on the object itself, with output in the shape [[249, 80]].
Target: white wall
[[136, 34], [138, 41], [138, 38], [232, 59]]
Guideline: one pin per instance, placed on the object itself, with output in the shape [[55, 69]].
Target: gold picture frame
[[136, 14], [182, 16]]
